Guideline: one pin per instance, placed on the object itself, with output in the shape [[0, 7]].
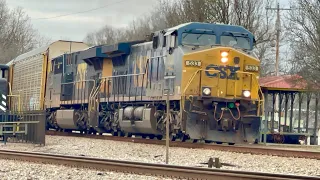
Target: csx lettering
[[223, 71]]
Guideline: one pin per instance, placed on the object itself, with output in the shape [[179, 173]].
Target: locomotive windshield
[[201, 39], [235, 41], [198, 39]]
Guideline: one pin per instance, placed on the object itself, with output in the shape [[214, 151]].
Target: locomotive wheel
[[208, 141], [159, 137], [144, 136], [231, 144], [90, 131], [151, 136], [184, 138], [195, 141], [121, 134], [218, 142], [129, 134], [114, 133]]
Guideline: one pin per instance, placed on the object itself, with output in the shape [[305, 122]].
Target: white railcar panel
[[27, 81]]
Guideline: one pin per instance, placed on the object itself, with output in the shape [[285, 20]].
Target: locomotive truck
[[208, 70]]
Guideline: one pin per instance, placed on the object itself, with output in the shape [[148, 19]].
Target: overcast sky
[[118, 13]]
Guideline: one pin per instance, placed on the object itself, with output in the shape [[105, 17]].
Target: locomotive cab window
[[155, 42], [198, 39], [235, 41]]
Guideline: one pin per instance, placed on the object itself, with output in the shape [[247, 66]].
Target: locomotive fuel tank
[[138, 120]]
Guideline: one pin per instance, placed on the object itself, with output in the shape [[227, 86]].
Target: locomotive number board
[[193, 63]]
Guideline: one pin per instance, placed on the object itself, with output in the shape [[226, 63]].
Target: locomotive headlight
[[224, 59], [246, 93], [224, 54], [206, 91]]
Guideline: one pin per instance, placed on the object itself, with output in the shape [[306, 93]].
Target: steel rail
[[253, 149], [144, 168]]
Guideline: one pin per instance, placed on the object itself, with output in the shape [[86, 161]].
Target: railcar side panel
[[30, 70], [27, 77]]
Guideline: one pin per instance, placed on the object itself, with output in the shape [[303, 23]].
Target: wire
[[79, 12], [233, 115]]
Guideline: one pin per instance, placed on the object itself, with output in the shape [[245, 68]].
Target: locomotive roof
[[216, 27], [3, 66]]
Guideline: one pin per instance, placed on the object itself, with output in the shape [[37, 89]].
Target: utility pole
[[278, 26], [167, 126], [278, 31]]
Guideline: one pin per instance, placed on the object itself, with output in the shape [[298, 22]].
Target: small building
[[291, 110]]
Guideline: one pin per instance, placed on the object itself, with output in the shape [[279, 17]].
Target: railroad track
[[144, 168], [259, 150]]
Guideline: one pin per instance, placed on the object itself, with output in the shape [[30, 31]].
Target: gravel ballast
[[31, 171], [156, 154]]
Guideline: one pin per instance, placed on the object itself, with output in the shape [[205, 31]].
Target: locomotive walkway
[[144, 168]]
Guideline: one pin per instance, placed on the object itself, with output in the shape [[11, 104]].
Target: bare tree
[[106, 35], [250, 14], [304, 32], [17, 35]]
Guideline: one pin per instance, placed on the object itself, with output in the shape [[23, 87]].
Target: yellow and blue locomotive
[[208, 71]]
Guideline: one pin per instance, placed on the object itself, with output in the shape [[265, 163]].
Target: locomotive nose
[[220, 75]]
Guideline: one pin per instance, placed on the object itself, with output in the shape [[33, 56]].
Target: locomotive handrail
[[73, 82], [194, 75], [124, 75], [253, 76], [190, 81], [86, 80], [110, 79]]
